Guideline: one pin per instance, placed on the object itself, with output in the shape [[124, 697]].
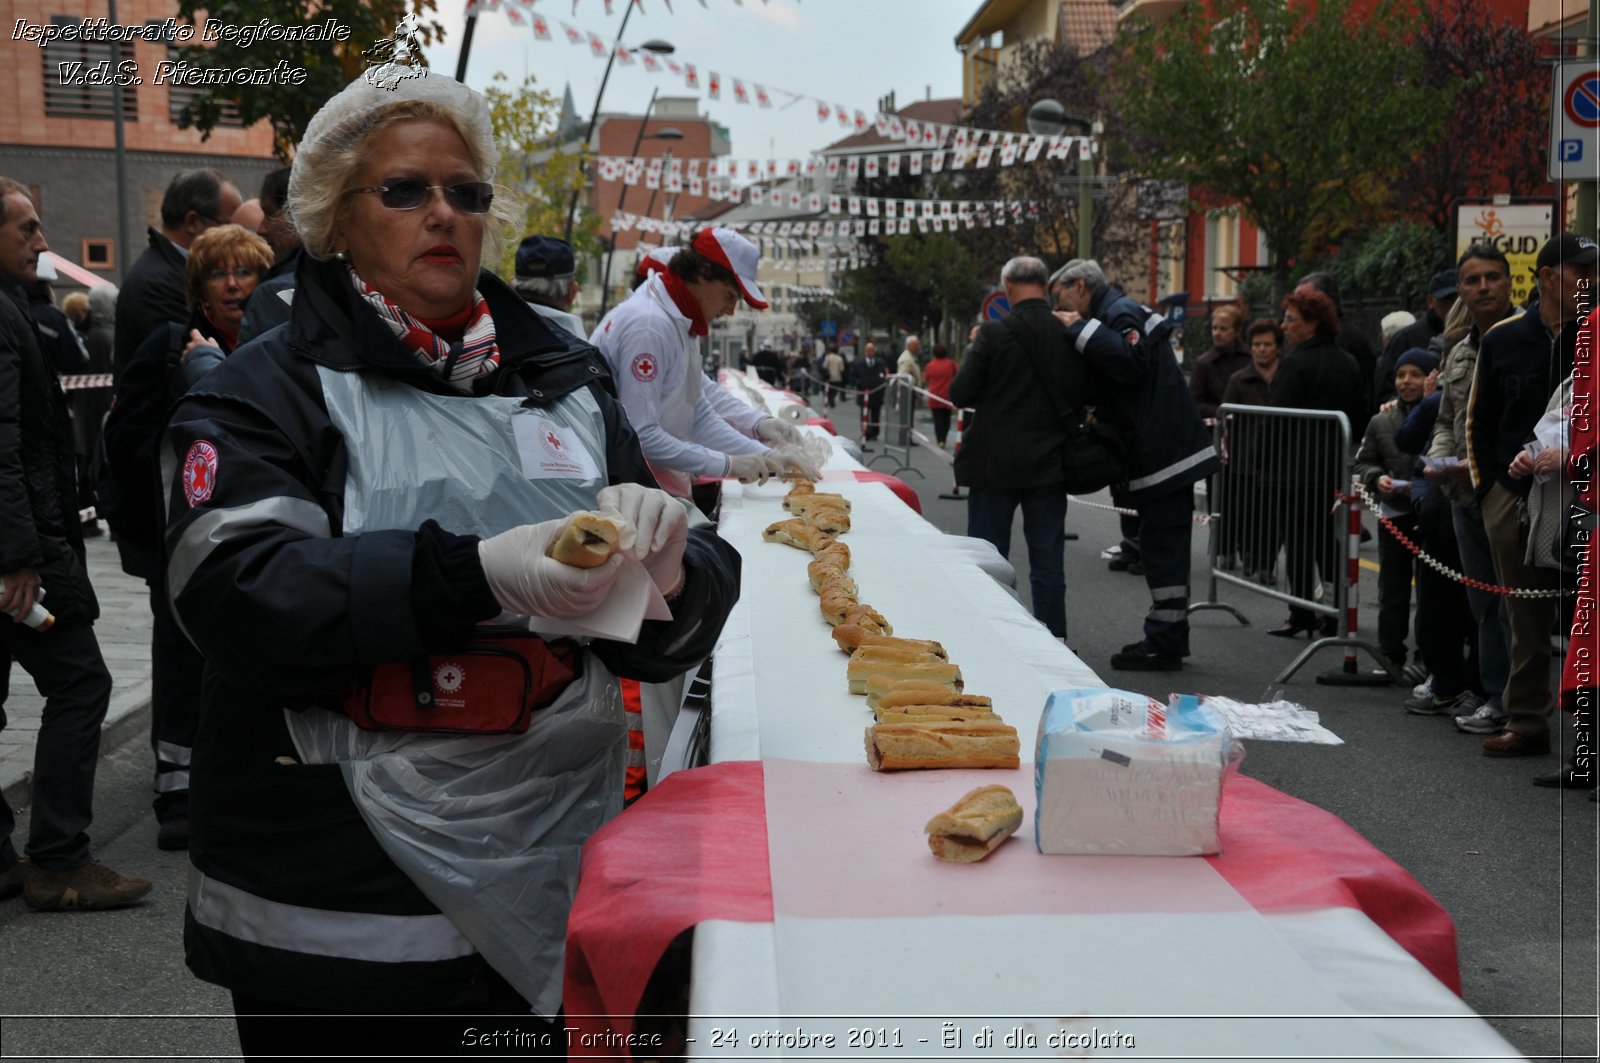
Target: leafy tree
[[525, 119], [1395, 262], [1039, 69], [1494, 137], [917, 278], [329, 65], [1293, 110]]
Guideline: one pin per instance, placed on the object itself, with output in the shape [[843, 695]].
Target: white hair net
[[347, 117]]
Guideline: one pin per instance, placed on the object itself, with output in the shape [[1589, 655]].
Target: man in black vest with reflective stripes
[[1134, 378]]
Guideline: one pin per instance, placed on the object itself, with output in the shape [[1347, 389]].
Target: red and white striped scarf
[[459, 363]]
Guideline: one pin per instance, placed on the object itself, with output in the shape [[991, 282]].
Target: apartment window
[[73, 76], [180, 96], [98, 254]]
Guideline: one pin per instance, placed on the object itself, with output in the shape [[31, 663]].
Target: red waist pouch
[[494, 685]]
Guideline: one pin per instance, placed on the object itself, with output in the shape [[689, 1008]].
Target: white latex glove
[[526, 582], [661, 529], [796, 462], [753, 468], [775, 430]]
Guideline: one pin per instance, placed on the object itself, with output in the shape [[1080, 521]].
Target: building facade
[[58, 135]]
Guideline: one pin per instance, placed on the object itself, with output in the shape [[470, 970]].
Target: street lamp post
[[668, 134], [1048, 118], [657, 47]]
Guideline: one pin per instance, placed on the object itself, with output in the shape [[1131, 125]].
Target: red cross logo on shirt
[[644, 367], [553, 439]]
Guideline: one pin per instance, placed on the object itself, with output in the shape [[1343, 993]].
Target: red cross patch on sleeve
[[199, 472], [645, 367]]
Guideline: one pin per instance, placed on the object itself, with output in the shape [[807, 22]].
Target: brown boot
[[92, 886]]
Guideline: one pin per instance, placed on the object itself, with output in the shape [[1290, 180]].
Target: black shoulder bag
[[1094, 456]]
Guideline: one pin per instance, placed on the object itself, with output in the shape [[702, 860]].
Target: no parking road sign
[[1575, 121]]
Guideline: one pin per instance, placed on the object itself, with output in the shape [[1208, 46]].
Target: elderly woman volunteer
[[650, 342], [349, 497]]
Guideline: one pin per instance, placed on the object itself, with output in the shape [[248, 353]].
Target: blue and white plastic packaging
[[1119, 773]]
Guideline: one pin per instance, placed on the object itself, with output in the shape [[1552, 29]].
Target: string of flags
[[684, 173], [970, 143], [884, 217]]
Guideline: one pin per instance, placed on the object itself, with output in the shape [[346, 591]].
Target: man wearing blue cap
[[547, 279]]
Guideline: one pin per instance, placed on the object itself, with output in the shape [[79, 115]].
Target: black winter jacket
[[1014, 441], [1520, 362], [1321, 375], [151, 296], [39, 526], [1137, 383], [286, 610]]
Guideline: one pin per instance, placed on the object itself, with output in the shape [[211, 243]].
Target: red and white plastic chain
[[1440, 567]]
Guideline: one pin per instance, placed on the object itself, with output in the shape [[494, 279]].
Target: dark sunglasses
[[472, 197]]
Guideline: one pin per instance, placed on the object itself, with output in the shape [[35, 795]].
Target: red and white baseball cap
[[727, 248], [656, 261]]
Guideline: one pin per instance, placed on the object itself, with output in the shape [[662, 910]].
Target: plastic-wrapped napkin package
[[1119, 773]]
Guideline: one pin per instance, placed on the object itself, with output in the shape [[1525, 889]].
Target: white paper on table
[[633, 599]]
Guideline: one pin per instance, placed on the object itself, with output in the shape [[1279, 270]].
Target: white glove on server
[[794, 461], [753, 468], [774, 431], [661, 530], [526, 582]]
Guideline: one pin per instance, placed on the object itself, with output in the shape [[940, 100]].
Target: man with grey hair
[[547, 279], [152, 292], [1011, 454], [1140, 388], [41, 549], [908, 364]]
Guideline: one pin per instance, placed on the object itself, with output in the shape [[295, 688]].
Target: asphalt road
[[1513, 864]]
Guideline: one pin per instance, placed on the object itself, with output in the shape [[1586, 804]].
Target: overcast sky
[[847, 52]]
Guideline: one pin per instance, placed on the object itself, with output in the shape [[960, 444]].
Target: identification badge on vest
[[551, 451]]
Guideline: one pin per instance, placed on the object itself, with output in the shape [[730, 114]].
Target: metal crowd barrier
[[1285, 523], [894, 428]]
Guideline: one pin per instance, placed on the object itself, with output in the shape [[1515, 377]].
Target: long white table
[[871, 934]]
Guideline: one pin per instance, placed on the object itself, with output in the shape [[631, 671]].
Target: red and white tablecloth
[[814, 895]]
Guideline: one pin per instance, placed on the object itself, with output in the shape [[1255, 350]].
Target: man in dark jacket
[[1441, 299], [152, 293], [1520, 362], [1135, 380], [1011, 453], [269, 303], [41, 549], [867, 374], [152, 298]]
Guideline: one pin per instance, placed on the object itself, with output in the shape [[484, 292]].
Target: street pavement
[[1513, 864]]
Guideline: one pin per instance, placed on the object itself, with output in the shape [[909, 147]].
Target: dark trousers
[[941, 424], [1130, 536], [1166, 533], [1395, 570], [1447, 634], [175, 667], [874, 413], [1044, 519], [268, 1029], [66, 666]]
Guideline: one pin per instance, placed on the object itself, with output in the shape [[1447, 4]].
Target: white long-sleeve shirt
[[657, 370]]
